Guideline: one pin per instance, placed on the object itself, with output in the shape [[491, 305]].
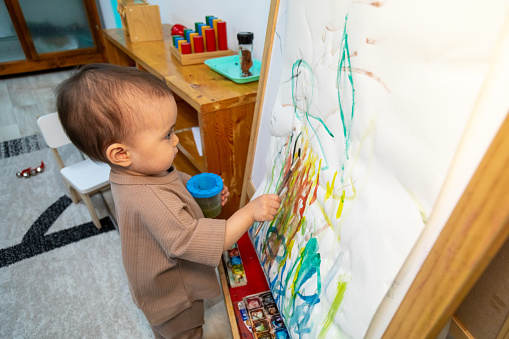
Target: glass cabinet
[[10, 46], [37, 35]]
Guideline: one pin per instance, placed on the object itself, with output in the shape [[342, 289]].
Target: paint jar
[[245, 52], [206, 190]]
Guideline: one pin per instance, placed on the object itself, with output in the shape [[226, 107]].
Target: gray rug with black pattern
[[60, 277]]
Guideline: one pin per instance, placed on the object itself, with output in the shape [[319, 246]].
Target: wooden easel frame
[[474, 233]]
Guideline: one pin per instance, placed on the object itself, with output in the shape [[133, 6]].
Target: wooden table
[[223, 110]]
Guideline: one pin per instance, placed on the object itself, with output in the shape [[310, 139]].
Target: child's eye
[[168, 136]]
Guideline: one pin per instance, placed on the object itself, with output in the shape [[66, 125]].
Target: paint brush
[[288, 174]]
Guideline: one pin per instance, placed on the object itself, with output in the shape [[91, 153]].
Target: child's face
[[154, 147]]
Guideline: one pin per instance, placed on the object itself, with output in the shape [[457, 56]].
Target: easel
[[473, 235]]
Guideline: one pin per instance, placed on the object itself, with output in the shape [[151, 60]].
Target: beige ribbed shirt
[[169, 249]]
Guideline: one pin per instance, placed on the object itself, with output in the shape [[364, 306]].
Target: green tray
[[229, 67]]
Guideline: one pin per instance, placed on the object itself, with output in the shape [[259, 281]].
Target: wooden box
[[140, 21], [197, 58]]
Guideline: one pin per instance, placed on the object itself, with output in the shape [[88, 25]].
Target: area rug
[[61, 277]]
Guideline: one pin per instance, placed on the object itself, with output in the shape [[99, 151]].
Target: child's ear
[[117, 154]]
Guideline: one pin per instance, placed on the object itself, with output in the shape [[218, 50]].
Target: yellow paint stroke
[[329, 319], [354, 195], [330, 189], [340, 207], [422, 212], [296, 275], [288, 254], [325, 215]]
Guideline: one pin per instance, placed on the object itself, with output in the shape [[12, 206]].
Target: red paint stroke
[[369, 74]]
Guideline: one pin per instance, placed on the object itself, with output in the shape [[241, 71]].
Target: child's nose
[[176, 140]]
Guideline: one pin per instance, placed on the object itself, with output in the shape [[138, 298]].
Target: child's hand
[[265, 207], [224, 195]]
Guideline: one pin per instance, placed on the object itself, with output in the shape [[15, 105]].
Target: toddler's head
[[103, 105]]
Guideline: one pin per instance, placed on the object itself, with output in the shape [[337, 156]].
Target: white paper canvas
[[370, 107]]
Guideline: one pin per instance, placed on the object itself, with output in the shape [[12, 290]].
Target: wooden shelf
[[187, 147], [187, 119], [187, 115]]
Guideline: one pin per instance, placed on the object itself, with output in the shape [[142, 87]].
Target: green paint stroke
[[329, 319], [298, 92], [345, 70]]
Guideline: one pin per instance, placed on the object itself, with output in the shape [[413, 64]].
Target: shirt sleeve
[[184, 177], [182, 236]]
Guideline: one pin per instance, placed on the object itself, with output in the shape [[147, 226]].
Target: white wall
[[240, 15], [107, 13]]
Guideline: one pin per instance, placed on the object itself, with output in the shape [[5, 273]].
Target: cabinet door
[[10, 46], [57, 25], [51, 33]]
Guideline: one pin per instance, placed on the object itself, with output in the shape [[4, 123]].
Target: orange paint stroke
[[315, 193], [371, 3], [369, 74], [333, 29], [372, 41], [320, 230], [306, 184]]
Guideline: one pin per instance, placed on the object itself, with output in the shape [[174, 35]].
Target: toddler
[[126, 118]]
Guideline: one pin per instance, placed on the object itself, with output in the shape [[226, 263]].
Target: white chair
[[81, 179]]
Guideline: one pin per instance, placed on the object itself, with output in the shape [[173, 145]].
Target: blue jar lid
[[205, 185]]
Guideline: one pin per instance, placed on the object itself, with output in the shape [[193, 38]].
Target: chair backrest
[[52, 130]]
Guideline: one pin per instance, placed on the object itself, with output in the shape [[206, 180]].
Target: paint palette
[[234, 267], [266, 322]]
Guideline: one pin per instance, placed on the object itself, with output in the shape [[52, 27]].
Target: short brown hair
[[98, 105]]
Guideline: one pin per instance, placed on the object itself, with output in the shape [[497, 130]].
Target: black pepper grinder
[[245, 52]]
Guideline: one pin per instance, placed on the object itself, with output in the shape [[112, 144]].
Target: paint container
[[277, 322], [266, 320], [233, 252], [206, 190], [236, 261], [261, 326], [257, 314], [282, 334], [253, 302], [267, 298], [238, 270], [271, 309], [234, 267]]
